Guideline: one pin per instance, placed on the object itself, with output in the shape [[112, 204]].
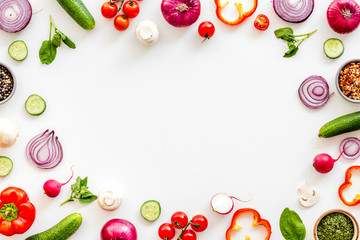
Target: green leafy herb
[[337, 226], [293, 41], [47, 52], [291, 225], [79, 190]]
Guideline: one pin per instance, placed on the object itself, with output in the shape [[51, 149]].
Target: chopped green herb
[[335, 226]]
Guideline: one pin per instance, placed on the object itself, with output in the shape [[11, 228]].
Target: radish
[[52, 187], [223, 203], [324, 163]]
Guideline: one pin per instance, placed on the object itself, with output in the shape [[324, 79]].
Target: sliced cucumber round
[[18, 50], [35, 105], [6, 166], [333, 48], [150, 210]]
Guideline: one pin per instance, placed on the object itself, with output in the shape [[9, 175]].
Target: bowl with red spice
[[348, 80], [7, 83]]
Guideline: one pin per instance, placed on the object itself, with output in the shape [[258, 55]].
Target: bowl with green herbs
[[7, 83], [336, 224]]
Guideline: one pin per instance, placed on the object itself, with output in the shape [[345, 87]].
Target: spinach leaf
[[292, 51], [56, 39], [47, 52], [66, 40], [279, 33], [291, 225]]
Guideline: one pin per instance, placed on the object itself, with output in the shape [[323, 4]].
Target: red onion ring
[[15, 15], [350, 147], [45, 150], [293, 11], [314, 92]]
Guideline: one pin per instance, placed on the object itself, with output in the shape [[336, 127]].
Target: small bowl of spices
[[348, 81], [336, 224], [7, 83]]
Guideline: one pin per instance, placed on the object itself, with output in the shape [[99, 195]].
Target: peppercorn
[[6, 83]]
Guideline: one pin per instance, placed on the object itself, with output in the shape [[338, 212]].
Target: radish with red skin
[[52, 187], [324, 163]]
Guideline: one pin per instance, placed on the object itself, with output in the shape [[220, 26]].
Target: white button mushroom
[[308, 196], [108, 200], [147, 32], [8, 133]]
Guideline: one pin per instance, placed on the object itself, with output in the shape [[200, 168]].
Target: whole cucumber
[[78, 11], [61, 231], [346, 123]]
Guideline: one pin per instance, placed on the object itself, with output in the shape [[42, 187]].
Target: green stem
[[122, 3], [183, 230], [9, 212], [51, 24], [307, 36]]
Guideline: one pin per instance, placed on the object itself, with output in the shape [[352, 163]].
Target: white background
[[177, 121]]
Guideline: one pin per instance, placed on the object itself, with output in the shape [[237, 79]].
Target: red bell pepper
[[17, 214], [242, 15], [257, 221], [347, 184]]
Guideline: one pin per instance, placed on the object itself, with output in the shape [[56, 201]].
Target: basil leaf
[[76, 186], [56, 39], [47, 52], [87, 194], [279, 33], [83, 182], [69, 43], [88, 199], [291, 225], [292, 51]]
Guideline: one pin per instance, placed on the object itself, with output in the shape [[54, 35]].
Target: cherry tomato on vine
[[121, 22], [180, 218], [206, 30], [188, 235], [131, 9], [109, 9], [199, 223], [166, 230], [261, 22]]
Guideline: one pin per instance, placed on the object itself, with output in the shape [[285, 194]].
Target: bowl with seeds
[[7, 83], [347, 80], [336, 224]]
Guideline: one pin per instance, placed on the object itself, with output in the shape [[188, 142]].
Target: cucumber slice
[[333, 48], [150, 210], [6, 166], [35, 105], [18, 50]]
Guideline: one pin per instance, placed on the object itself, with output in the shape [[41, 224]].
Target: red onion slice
[[45, 150], [350, 147], [314, 92], [15, 15], [294, 11], [181, 13]]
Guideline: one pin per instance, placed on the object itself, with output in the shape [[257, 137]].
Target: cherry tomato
[[261, 22], [206, 29], [109, 9], [166, 230], [199, 223], [188, 235], [131, 9], [179, 218], [121, 22]]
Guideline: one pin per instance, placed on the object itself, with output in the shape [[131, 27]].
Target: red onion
[[15, 15], [294, 11], [314, 91], [45, 150], [351, 148], [181, 13], [118, 229], [343, 16]]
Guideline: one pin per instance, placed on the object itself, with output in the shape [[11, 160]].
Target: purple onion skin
[[289, 16], [118, 229], [181, 13], [23, 18], [343, 16]]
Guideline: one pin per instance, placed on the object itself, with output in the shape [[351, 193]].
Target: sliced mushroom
[[308, 196]]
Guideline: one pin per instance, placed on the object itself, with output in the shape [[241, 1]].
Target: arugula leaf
[[79, 190], [47, 52], [291, 225]]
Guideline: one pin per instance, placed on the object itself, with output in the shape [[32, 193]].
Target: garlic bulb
[[8, 133], [147, 32], [108, 200]]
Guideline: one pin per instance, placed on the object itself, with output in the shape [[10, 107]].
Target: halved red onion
[[314, 92], [15, 15], [45, 150], [294, 11], [350, 147], [343, 15], [181, 13]]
